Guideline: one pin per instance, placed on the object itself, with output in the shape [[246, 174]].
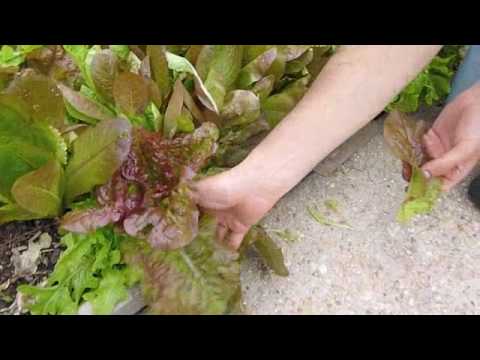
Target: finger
[[209, 193], [457, 175], [443, 123], [446, 163], [433, 144], [235, 239], [222, 231]]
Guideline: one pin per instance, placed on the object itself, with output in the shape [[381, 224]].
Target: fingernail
[[427, 174]]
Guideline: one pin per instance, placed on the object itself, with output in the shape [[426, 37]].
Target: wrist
[[258, 177]]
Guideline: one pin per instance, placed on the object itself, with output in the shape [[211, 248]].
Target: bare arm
[[356, 85]]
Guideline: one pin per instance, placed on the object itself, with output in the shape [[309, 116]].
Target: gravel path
[[431, 266]]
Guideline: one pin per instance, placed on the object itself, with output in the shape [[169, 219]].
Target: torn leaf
[[403, 136], [323, 220], [269, 251], [421, 197]]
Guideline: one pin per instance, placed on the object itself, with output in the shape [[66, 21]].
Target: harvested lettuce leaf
[[421, 197], [403, 136]]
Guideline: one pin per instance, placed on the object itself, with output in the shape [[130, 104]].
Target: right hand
[[454, 139]]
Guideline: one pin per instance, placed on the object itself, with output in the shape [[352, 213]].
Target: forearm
[[354, 87]]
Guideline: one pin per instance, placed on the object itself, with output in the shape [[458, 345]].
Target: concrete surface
[[431, 266], [345, 151]]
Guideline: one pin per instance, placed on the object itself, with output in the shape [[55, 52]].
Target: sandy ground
[[431, 266]]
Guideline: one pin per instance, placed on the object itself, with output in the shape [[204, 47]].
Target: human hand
[[238, 201], [454, 140]]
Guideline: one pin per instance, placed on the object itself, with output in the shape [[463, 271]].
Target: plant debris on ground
[[14, 236]]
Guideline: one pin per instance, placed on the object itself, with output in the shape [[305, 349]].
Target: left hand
[[238, 202]]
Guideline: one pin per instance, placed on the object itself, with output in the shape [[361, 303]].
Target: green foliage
[[432, 85], [97, 154], [89, 269], [201, 278]]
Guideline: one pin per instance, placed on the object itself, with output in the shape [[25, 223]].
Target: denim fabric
[[468, 72]]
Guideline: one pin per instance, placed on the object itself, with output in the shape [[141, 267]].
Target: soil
[[17, 234]]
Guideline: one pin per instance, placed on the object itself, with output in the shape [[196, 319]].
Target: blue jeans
[[468, 73]]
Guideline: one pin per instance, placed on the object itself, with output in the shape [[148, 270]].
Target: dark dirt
[[17, 234]]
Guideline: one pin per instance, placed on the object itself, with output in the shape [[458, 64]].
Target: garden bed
[[14, 240]]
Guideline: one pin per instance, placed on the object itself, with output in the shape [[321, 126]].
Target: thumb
[[450, 160], [211, 193]]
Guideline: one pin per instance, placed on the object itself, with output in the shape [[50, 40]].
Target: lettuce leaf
[[89, 269], [430, 87], [159, 68], [79, 54], [84, 108], [277, 106], [403, 136], [10, 56], [25, 145], [269, 251], [104, 69], [131, 93], [41, 191], [97, 153], [147, 195], [421, 196], [182, 65], [202, 278], [223, 71]]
